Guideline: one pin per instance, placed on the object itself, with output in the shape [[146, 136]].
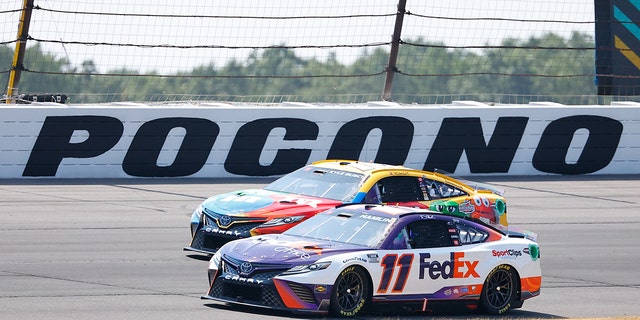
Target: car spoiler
[[473, 184], [513, 232]]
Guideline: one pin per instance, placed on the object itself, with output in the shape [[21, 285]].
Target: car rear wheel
[[350, 292], [499, 290]]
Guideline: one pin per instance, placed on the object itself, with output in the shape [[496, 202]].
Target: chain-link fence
[[354, 51]]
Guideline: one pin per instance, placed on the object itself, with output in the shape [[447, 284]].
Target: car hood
[[281, 248], [258, 202]]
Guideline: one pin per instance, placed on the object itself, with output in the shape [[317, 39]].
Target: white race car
[[345, 259]]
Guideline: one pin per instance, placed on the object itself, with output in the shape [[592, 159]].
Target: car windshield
[[345, 226], [319, 182]]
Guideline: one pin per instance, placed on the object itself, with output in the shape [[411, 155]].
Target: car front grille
[[257, 294], [261, 276], [212, 242], [212, 219], [211, 239], [256, 287]]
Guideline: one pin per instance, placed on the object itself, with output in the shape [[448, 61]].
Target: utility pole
[[21, 45], [395, 46]]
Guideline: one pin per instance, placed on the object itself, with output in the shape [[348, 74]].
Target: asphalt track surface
[[112, 249]]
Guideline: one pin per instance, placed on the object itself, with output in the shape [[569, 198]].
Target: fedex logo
[[455, 267]]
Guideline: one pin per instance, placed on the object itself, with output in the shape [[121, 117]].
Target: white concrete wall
[[220, 140]]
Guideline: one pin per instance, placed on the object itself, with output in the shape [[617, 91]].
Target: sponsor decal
[[456, 136], [376, 218], [302, 201], [398, 173], [224, 232], [446, 209], [399, 267], [242, 279], [456, 267], [467, 207], [507, 253], [354, 259], [292, 251], [373, 257], [481, 201], [344, 173], [319, 288]]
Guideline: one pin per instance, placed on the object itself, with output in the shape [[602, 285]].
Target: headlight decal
[[282, 221], [308, 268], [214, 263]]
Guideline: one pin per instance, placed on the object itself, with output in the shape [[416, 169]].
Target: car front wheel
[[350, 292]]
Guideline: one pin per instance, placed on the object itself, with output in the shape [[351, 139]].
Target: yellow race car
[[326, 184]]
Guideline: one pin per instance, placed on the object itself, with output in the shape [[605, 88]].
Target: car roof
[[389, 211], [371, 168]]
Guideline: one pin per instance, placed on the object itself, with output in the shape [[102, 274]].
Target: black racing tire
[[350, 293], [499, 290]]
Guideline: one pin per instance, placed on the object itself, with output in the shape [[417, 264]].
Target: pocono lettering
[[456, 136]]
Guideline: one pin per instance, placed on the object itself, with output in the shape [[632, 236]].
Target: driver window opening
[[400, 189], [429, 234]]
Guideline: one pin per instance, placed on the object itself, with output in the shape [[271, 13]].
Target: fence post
[[18, 56], [393, 55]]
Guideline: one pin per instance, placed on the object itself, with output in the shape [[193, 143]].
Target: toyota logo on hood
[[224, 221], [245, 268]]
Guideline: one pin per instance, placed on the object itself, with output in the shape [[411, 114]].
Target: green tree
[[6, 59], [542, 67]]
